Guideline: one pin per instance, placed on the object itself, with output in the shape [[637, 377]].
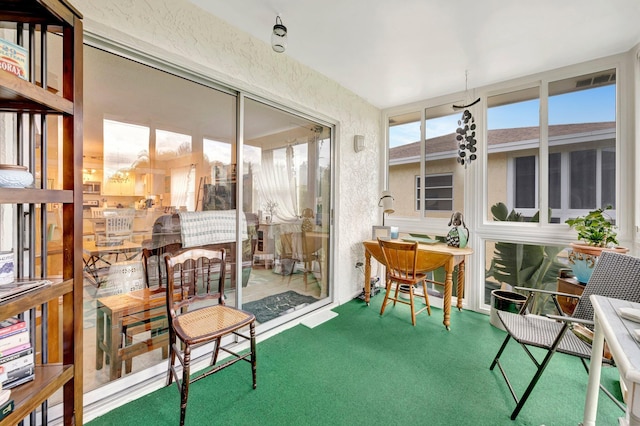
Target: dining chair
[[194, 321], [615, 275], [400, 261]]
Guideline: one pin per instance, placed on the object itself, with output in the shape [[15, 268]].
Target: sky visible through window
[[583, 106]]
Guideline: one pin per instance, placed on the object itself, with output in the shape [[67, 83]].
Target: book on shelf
[[15, 349], [19, 376], [11, 325], [6, 409], [14, 59], [19, 287], [17, 360], [14, 340]]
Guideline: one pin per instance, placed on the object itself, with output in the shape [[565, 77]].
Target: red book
[[11, 325]]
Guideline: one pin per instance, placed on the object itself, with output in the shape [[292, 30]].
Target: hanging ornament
[[466, 137], [466, 132]]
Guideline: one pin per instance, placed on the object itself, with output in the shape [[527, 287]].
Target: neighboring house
[[512, 165]]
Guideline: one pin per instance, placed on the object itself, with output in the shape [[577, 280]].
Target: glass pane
[[511, 265], [145, 159], [286, 186], [513, 137], [404, 163], [582, 132]]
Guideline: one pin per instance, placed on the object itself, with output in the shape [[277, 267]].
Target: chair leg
[[532, 384], [215, 352], [184, 389], [386, 297], [252, 338], [426, 297], [172, 357], [413, 307]]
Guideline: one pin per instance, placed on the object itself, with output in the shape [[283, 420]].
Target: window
[[438, 192]]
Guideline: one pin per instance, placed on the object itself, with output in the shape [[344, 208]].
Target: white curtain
[[183, 187], [277, 183]]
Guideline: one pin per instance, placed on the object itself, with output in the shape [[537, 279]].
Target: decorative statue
[[458, 234]]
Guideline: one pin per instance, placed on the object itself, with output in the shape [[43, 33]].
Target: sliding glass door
[[286, 193]]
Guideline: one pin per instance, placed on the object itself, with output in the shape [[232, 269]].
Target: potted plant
[[597, 233]]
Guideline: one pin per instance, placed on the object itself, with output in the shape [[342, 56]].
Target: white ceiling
[[395, 52]]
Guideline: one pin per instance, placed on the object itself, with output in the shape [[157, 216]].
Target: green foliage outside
[[525, 265]]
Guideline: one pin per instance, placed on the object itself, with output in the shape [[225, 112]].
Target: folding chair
[[615, 275]]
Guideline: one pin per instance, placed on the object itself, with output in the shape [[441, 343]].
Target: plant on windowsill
[[597, 233]]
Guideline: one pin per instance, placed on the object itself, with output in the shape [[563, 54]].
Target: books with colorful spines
[[11, 325], [14, 340], [6, 408], [17, 360], [19, 376], [15, 349]]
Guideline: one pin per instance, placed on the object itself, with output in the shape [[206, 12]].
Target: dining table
[[98, 258], [432, 255]]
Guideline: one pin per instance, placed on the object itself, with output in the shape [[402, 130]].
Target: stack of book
[[16, 352], [6, 403]]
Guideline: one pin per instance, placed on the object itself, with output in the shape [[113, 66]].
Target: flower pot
[[502, 300], [584, 257]]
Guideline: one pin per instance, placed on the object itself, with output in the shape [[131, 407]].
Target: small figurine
[[459, 234]]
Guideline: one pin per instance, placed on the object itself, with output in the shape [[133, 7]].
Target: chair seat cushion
[[210, 321], [541, 332]]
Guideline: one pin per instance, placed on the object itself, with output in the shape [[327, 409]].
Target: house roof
[[447, 143]]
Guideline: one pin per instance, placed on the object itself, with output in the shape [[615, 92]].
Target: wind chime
[[466, 131]]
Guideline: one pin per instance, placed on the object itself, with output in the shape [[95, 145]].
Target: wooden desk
[[115, 313], [625, 350], [430, 257], [97, 258]]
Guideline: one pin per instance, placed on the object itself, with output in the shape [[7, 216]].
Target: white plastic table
[[626, 352]]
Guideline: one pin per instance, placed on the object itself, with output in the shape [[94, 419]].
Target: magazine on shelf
[[19, 376], [17, 288], [14, 340], [11, 325]]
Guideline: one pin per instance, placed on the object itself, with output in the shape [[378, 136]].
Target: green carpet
[[363, 369]]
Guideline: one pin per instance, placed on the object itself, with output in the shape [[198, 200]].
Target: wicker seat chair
[[401, 260], [194, 322], [615, 275]]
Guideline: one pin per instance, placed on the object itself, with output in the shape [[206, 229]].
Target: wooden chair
[[201, 273], [400, 261], [615, 275]]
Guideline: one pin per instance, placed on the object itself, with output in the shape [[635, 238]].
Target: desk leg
[[448, 288], [115, 339], [593, 388], [460, 290], [367, 277], [99, 338]]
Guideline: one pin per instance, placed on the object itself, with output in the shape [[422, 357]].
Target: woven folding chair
[[194, 321], [615, 275]]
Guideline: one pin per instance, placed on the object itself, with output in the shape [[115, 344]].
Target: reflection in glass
[[163, 157]]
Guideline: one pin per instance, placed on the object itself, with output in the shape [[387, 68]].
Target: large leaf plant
[[525, 265]]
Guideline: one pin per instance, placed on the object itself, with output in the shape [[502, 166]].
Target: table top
[[430, 256], [90, 248], [135, 301], [617, 332]]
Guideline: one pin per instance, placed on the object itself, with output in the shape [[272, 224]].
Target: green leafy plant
[[595, 229]]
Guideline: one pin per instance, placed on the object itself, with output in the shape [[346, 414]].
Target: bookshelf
[[51, 30]]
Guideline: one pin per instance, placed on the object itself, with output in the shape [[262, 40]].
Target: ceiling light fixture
[[279, 36]]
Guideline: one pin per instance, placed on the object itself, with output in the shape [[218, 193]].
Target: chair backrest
[[199, 272], [615, 275], [153, 264], [400, 259], [118, 226]]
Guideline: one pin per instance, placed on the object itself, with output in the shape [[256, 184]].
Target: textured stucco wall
[[181, 33]]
